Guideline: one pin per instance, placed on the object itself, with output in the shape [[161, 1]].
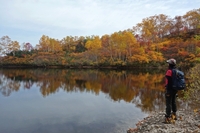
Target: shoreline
[[78, 66], [187, 122]]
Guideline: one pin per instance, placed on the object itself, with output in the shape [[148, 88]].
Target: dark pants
[[170, 102]]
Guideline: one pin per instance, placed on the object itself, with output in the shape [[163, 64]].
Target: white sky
[[28, 20]]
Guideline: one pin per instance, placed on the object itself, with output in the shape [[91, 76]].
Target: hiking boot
[[167, 120], [173, 115]]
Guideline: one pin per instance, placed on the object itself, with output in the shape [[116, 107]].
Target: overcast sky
[[28, 20]]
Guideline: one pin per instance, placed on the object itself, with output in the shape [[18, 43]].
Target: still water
[[77, 101]]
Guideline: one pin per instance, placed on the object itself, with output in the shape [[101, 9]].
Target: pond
[[77, 100]]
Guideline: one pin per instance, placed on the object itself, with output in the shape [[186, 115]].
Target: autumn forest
[[149, 43]]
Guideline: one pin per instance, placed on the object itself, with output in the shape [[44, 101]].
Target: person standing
[[170, 93]]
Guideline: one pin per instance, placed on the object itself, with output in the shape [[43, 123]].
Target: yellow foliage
[[94, 44], [140, 58]]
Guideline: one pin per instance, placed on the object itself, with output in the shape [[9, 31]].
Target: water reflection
[[71, 101], [144, 89]]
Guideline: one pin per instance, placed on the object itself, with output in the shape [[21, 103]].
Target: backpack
[[178, 80]]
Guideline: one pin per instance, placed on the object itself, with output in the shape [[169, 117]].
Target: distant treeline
[[148, 44]]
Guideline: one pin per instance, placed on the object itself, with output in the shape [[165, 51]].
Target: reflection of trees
[[142, 89], [149, 100], [8, 85]]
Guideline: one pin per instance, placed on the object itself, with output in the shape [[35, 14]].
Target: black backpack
[[178, 79]]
